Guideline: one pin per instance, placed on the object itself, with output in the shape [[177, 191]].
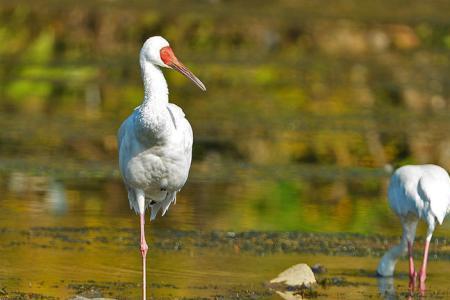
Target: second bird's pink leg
[[144, 249], [412, 272], [423, 269]]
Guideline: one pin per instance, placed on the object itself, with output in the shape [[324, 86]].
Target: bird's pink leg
[[144, 249], [423, 270], [412, 272]]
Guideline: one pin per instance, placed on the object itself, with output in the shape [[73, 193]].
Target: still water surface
[[224, 238]]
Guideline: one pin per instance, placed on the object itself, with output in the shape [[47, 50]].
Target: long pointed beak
[[169, 58], [176, 65]]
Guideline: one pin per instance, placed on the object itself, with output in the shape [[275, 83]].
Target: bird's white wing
[[182, 124], [125, 127], [121, 133], [188, 139], [123, 141], [402, 192], [124, 152], [435, 189]]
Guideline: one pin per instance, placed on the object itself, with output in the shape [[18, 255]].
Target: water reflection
[[21, 183], [56, 197], [386, 286], [389, 291], [89, 221], [298, 199], [52, 192]]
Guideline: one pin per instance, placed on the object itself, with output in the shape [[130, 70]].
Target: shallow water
[[60, 238]]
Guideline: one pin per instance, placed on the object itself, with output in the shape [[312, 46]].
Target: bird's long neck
[[155, 85], [151, 115], [397, 251], [387, 264]]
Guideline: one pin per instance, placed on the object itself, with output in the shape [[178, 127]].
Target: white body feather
[[416, 192], [155, 143], [423, 191]]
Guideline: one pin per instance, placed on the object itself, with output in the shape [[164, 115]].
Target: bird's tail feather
[[162, 205], [155, 206]]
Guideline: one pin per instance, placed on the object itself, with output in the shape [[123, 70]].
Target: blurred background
[[310, 104]]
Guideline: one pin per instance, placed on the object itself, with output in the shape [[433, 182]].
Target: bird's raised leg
[[412, 272]]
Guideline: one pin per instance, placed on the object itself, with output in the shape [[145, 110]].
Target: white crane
[[416, 192], [155, 141]]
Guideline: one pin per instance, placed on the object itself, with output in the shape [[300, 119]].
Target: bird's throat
[[155, 85]]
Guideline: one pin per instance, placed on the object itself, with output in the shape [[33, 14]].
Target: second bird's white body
[[422, 191], [416, 192]]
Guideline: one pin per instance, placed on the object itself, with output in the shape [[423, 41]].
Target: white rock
[[296, 275]]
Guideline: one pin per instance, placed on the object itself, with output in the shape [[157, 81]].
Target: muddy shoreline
[[253, 242]]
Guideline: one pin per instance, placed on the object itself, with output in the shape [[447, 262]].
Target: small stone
[[231, 234], [318, 269], [297, 275]]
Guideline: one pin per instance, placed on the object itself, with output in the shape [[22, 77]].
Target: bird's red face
[[169, 58]]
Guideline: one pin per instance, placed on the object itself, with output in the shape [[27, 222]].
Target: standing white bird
[[155, 141], [416, 192]]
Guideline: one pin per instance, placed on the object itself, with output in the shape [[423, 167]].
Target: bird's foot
[[144, 248], [422, 278], [412, 281]]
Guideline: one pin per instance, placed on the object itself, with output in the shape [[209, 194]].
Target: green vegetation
[[324, 83]]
